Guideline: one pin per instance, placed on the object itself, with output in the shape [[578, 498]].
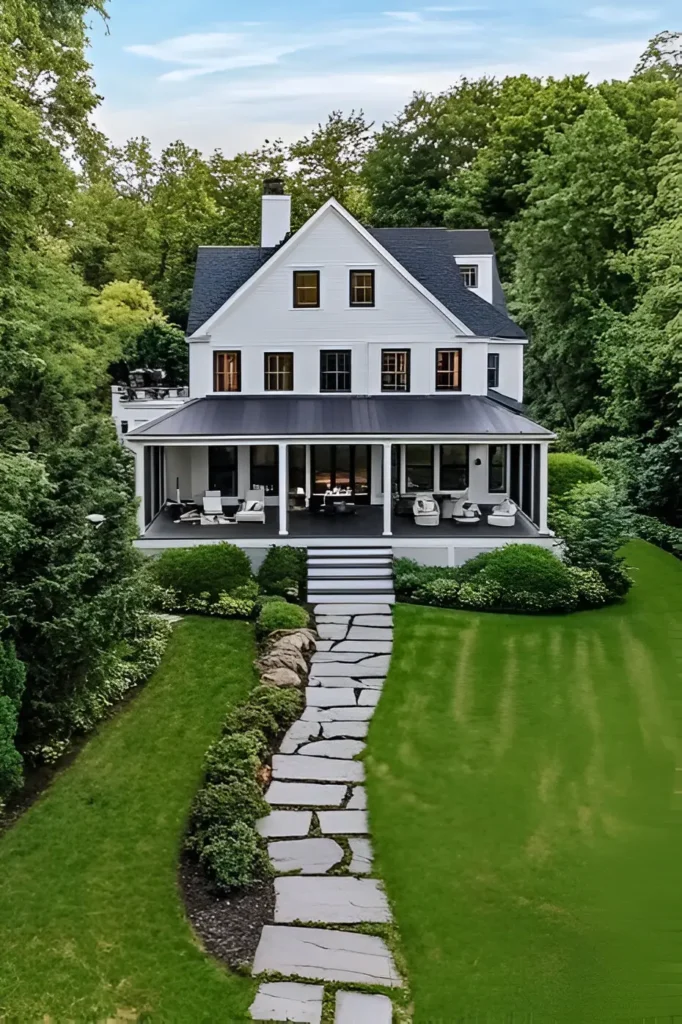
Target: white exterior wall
[[485, 274], [511, 368]]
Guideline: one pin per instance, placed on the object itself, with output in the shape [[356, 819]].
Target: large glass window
[[493, 369], [341, 465], [296, 468], [279, 371], [449, 369], [306, 289], [454, 467], [227, 371], [335, 371], [497, 468], [395, 370], [419, 467], [265, 467], [362, 287], [222, 470]]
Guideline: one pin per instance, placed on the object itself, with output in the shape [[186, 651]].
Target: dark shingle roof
[[426, 253], [330, 415]]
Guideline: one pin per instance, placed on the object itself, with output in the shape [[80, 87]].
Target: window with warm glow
[[227, 371], [395, 370], [279, 371], [362, 287], [306, 289], [449, 369]]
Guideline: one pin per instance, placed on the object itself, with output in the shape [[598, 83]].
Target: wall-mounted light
[[477, 462]]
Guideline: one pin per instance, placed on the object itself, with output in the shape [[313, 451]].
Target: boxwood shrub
[[566, 469], [278, 615], [284, 571], [211, 569]]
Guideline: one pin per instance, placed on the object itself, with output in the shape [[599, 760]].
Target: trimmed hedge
[[279, 615], [284, 571], [657, 532], [565, 470], [222, 832], [212, 569]]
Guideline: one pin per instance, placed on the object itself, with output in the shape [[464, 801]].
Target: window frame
[[449, 387], [306, 305], [432, 465], [353, 303], [274, 375], [324, 353], [466, 468], [494, 369], [467, 269], [504, 449], [217, 353], [407, 372]]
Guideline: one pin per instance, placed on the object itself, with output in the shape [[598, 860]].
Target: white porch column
[[387, 491], [139, 486], [544, 487], [283, 488], [308, 473]]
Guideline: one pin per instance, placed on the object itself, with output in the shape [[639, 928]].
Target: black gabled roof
[[426, 253], [327, 416]]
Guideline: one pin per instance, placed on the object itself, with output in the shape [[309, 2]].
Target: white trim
[[282, 252], [228, 439]]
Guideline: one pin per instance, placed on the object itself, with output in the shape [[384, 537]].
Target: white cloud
[[623, 15]]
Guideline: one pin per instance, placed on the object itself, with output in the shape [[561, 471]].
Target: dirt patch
[[229, 926]]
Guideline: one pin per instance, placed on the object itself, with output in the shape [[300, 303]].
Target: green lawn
[[525, 792], [91, 922]]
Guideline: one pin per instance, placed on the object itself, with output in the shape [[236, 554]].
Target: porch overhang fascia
[[199, 440]]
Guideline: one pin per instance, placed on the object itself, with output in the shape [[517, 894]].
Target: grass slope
[[91, 923], [525, 791]]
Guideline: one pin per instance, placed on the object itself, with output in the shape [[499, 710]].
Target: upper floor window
[[493, 369], [335, 371], [227, 371], [279, 371], [449, 369], [497, 468], [306, 289], [362, 287], [395, 370], [469, 274]]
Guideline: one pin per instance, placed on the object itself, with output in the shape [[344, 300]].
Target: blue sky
[[228, 75]]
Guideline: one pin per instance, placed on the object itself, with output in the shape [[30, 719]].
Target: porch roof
[[328, 416]]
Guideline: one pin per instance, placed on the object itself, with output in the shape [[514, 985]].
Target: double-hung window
[[469, 274], [306, 289], [227, 371], [493, 369], [335, 370], [362, 287], [395, 370], [449, 369], [279, 371]]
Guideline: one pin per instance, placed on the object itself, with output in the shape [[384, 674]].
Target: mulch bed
[[229, 926]]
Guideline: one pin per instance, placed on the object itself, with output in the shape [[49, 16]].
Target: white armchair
[[466, 511], [426, 510], [253, 507], [503, 514]]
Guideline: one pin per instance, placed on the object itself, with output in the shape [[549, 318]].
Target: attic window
[[306, 289], [469, 274], [362, 287]]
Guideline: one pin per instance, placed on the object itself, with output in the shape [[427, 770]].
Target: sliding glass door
[[341, 465]]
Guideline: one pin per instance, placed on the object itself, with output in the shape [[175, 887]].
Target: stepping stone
[[370, 697], [285, 823], [309, 856], [381, 621], [329, 696], [331, 631], [358, 800], [323, 955], [352, 609], [338, 620], [333, 748], [327, 656], [361, 864], [341, 714], [305, 794], [331, 730], [299, 733], [317, 769], [343, 823], [370, 633], [324, 645], [359, 647], [360, 1008], [332, 900], [373, 666], [288, 1001], [346, 681]]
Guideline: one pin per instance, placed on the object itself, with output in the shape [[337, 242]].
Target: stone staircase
[[350, 574]]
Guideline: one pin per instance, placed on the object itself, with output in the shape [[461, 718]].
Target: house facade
[[374, 363]]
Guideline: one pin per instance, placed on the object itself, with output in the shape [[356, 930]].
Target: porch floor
[[366, 523]]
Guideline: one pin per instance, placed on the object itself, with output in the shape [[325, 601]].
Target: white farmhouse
[[337, 373]]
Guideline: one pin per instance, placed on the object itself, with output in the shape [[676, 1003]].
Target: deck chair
[[466, 511], [253, 507], [212, 513], [426, 510]]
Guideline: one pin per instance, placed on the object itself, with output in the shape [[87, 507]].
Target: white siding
[[511, 369]]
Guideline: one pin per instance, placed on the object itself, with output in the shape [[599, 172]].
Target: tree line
[[579, 184]]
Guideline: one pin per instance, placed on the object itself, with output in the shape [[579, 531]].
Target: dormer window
[[493, 369], [306, 289], [469, 272], [362, 287]]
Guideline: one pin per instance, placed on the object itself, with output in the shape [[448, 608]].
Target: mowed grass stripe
[[522, 778], [92, 925]]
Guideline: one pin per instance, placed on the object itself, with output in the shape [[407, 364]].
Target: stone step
[[285, 823], [297, 767], [350, 572], [388, 599], [343, 823], [305, 794], [362, 1008], [309, 856], [358, 608], [360, 552], [322, 955], [288, 1001], [331, 899], [353, 586], [349, 562]]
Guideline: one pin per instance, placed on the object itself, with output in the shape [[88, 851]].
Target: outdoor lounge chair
[[212, 513], [503, 514], [426, 510], [253, 507], [466, 511]]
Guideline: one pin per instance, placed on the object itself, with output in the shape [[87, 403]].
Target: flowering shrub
[[240, 604]]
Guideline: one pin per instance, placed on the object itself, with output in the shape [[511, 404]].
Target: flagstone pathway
[[317, 835]]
